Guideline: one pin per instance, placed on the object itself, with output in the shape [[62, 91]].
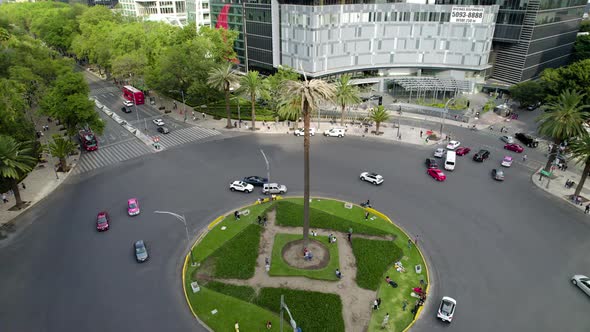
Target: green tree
[[56, 27], [61, 149], [563, 119], [346, 94], [580, 149], [223, 79], [379, 114], [254, 87], [128, 67], [274, 83], [582, 48], [574, 77], [585, 26], [16, 161], [302, 97], [527, 93]]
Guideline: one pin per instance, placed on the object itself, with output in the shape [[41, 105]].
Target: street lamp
[[238, 101], [442, 117], [267, 165], [182, 220], [183, 102]]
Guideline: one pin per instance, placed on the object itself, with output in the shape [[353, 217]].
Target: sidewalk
[[556, 185], [39, 183]]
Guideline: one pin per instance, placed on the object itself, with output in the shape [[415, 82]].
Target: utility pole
[[267, 165]]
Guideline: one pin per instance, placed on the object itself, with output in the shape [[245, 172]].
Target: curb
[[221, 217]]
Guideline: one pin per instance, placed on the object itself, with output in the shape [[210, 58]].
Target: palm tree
[[301, 98], [61, 148], [378, 114], [224, 78], [16, 160], [254, 86], [346, 94], [563, 119], [580, 149]]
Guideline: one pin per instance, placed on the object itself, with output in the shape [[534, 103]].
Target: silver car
[[507, 139], [141, 253], [582, 282], [273, 188]]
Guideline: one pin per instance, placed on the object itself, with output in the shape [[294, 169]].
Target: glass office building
[[507, 40]]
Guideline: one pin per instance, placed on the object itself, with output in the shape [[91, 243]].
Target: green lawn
[[289, 213], [245, 293], [392, 298], [312, 311], [373, 258], [217, 237], [237, 257], [279, 267]]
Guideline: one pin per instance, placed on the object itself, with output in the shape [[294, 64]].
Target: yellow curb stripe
[[215, 222], [379, 214], [184, 285]]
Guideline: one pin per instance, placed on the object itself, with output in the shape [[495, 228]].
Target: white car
[[158, 122], [439, 153], [507, 139], [335, 132], [453, 145], [241, 186], [582, 282], [301, 131], [373, 178], [128, 103], [446, 309], [273, 188]]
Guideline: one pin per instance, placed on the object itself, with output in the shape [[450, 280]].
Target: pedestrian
[[420, 133], [203, 115], [404, 305], [426, 139], [266, 261], [349, 237], [587, 210], [378, 302], [416, 241], [193, 113], [524, 158], [259, 220], [24, 186], [385, 321], [4, 198], [366, 215], [268, 325], [330, 238], [409, 243], [237, 327], [237, 215], [375, 305], [338, 274], [390, 282], [264, 221]]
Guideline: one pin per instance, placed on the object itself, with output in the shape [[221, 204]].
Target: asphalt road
[[504, 251]]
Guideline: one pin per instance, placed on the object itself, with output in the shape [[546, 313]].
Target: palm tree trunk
[[552, 156], [342, 115], [64, 164], [252, 97], [17, 199], [377, 125], [227, 111], [306, 122], [583, 178]]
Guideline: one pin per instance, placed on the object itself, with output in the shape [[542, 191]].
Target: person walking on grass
[[385, 321]]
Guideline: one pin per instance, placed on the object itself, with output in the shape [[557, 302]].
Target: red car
[[437, 174], [462, 150], [102, 221], [514, 147]]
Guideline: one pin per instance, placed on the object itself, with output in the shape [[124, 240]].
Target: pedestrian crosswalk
[[110, 155], [185, 135]]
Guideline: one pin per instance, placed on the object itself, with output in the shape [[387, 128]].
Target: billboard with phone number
[[467, 14]]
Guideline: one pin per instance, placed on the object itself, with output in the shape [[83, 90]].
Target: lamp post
[[442, 118], [267, 165], [183, 101], [399, 120], [238, 102], [182, 220]]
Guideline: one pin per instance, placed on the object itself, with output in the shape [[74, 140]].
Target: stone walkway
[[356, 301]]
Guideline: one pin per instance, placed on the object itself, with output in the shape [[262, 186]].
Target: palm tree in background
[[378, 114], [346, 94], [580, 149], [563, 119], [254, 86], [16, 161], [61, 149], [224, 78], [301, 98]]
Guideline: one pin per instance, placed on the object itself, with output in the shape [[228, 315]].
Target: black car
[[534, 106], [256, 181], [431, 163], [125, 109], [481, 155], [527, 140], [163, 130]]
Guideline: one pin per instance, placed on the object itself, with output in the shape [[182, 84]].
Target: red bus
[[88, 140], [132, 94]]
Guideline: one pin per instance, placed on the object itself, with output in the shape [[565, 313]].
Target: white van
[[450, 160]]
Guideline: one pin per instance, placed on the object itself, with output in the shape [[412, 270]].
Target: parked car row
[[247, 184]]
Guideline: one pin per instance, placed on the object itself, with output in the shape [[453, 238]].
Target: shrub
[[373, 258], [291, 214], [245, 293], [313, 311], [237, 258]]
